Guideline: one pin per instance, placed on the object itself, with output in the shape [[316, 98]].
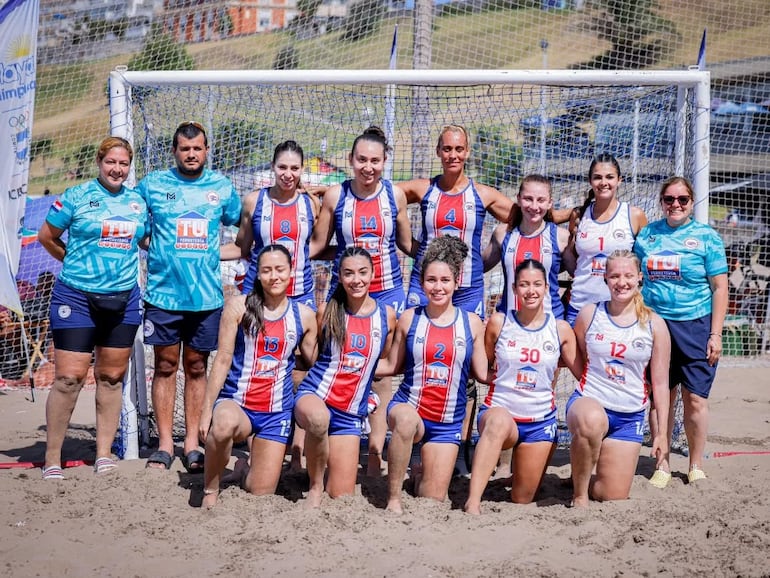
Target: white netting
[[515, 129]]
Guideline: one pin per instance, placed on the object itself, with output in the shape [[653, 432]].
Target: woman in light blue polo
[[95, 303], [685, 282]]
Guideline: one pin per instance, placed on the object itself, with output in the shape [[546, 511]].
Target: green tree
[[497, 160], [639, 37], [161, 52], [363, 19], [239, 142], [286, 59], [84, 159], [306, 10]]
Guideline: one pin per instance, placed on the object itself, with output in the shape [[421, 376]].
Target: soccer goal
[[656, 123]]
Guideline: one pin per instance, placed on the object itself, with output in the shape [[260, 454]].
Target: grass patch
[[61, 86]]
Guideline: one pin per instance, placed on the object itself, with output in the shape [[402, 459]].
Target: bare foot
[[472, 509], [394, 505], [209, 498], [313, 498], [579, 502]]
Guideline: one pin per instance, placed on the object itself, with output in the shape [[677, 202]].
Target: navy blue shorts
[[623, 426], [396, 298], [689, 363], [198, 329], [77, 326], [532, 431], [341, 423], [267, 425]]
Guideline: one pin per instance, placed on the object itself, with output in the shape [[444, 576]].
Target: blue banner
[[18, 48]]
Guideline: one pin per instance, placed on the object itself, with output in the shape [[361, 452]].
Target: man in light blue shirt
[[184, 299]]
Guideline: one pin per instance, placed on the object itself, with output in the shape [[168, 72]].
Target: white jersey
[[526, 363], [594, 242], [616, 363]]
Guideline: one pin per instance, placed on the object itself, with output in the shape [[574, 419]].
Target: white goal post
[[520, 121], [690, 153]]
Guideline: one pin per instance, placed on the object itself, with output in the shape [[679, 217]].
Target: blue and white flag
[[18, 48]]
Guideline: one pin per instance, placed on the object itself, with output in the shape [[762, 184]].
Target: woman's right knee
[[68, 385]]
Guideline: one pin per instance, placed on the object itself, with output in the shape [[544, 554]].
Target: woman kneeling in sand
[[524, 348], [250, 389], [618, 338], [437, 346]]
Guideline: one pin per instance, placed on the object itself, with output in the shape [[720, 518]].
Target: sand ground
[[139, 522]]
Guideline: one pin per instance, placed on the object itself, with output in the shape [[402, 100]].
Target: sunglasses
[[197, 125], [683, 200]]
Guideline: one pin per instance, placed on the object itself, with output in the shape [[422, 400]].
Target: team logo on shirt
[[618, 234], [192, 231], [117, 233], [370, 242], [615, 371], [526, 378], [436, 374], [664, 266], [353, 362], [691, 243], [549, 347], [599, 265], [266, 366], [638, 344], [212, 198], [135, 207]]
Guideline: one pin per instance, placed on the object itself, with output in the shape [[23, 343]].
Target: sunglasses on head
[[683, 200], [197, 125]]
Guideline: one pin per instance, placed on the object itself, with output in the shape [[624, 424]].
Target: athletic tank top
[[543, 247], [594, 242], [617, 358], [260, 375], [290, 225], [526, 363], [438, 361]]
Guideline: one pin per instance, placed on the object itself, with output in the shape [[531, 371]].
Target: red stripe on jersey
[[268, 355], [438, 356]]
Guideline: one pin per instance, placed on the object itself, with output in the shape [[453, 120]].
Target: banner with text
[[18, 46]]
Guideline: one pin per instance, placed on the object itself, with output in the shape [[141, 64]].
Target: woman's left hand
[[714, 348]]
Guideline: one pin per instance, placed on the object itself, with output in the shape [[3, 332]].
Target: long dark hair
[[530, 264], [598, 159], [334, 320], [254, 317], [515, 216]]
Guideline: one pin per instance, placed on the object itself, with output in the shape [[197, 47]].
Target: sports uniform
[[183, 272], [543, 247], [97, 287], [615, 372], [260, 379], [523, 383], [594, 242], [342, 377], [288, 224], [677, 263], [438, 360], [461, 215]]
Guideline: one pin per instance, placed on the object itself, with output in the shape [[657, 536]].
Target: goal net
[[520, 122]]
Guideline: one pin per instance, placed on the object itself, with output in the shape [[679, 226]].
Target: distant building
[[200, 20]]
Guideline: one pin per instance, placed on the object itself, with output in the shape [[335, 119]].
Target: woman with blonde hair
[[619, 339]]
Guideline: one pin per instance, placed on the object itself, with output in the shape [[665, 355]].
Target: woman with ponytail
[[603, 224], [250, 388], [333, 400], [619, 339]]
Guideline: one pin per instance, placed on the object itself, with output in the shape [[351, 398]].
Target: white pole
[[121, 125], [702, 146], [681, 131]]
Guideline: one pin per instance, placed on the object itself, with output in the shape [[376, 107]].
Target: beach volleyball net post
[[656, 123]]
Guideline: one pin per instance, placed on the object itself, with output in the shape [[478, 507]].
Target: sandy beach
[[139, 522]]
